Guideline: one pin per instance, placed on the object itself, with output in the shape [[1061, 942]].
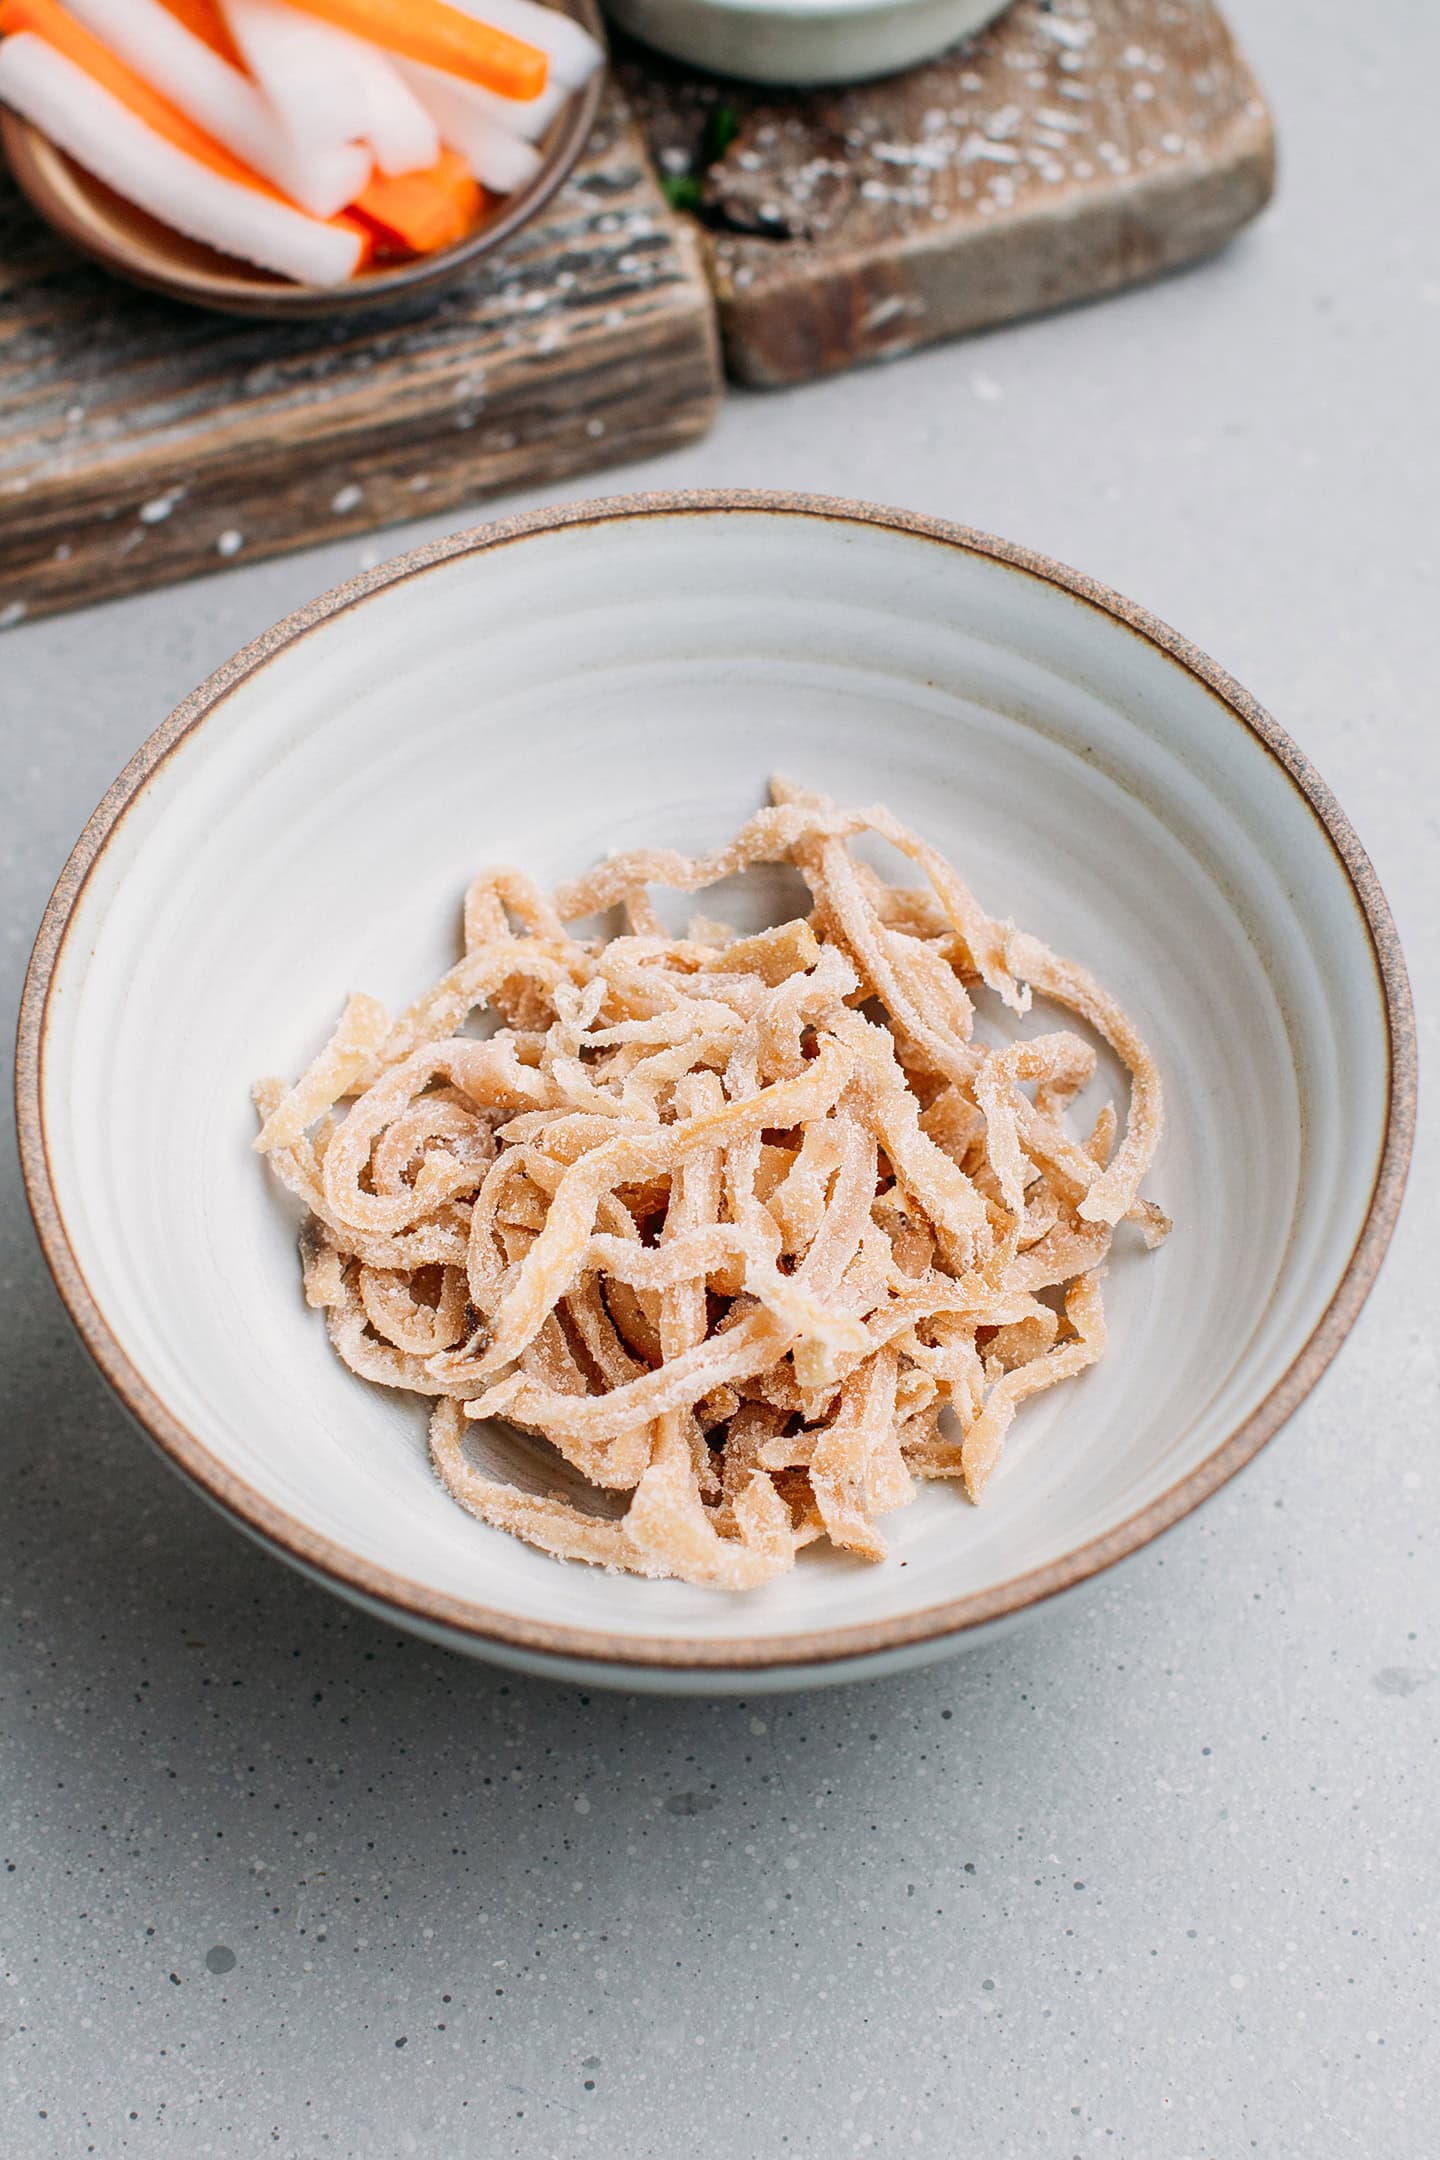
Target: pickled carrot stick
[[225, 103], [527, 118], [60, 30], [205, 20], [573, 54], [443, 37], [423, 212], [206, 194]]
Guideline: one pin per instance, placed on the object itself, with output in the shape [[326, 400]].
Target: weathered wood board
[[1074, 147], [142, 442]]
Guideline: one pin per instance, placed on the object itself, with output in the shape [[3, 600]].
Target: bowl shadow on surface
[[120, 1562], [234, 1708], [156, 1556]]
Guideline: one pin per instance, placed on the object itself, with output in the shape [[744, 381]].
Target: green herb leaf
[[722, 125]]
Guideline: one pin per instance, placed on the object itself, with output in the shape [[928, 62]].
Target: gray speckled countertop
[[1155, 1876]]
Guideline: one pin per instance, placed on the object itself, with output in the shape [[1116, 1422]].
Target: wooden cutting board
[[1074, 147], [142, 442]]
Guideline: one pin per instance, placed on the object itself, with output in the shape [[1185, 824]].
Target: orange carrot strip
[[205, 20], [60, 30], [104, 136], [440, 36], [423, 211]]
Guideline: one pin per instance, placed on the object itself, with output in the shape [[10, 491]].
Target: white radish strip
[[1115, 1190], [315, 87], [526, 117], [498, 159], [573, 54], [400, 130], [218, 98], [100, 134], [980, 1450], [373, 100], [323, 182]]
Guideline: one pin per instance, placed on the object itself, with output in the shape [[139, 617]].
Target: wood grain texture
[[141, 441], [1076, 146]]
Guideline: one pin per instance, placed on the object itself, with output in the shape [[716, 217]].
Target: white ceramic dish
[[803, 41], [547, 689]]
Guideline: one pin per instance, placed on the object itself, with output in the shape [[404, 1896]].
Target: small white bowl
[[803, 41], [550, 688]]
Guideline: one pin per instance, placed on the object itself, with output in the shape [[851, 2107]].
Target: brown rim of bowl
[[65, 196], [480, 1623]]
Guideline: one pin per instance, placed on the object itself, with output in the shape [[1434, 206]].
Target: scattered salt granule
[[159, 507], [1031, 106]]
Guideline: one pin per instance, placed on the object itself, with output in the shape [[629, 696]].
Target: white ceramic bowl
[[547, 689], [803, 41]]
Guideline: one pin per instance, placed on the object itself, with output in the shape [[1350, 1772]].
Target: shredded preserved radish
[[756, 1230]]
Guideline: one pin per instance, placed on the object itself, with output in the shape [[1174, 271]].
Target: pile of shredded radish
[[310, 137], [755, 1230]]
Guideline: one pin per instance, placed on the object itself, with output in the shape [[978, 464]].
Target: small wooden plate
[[135, 246]]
